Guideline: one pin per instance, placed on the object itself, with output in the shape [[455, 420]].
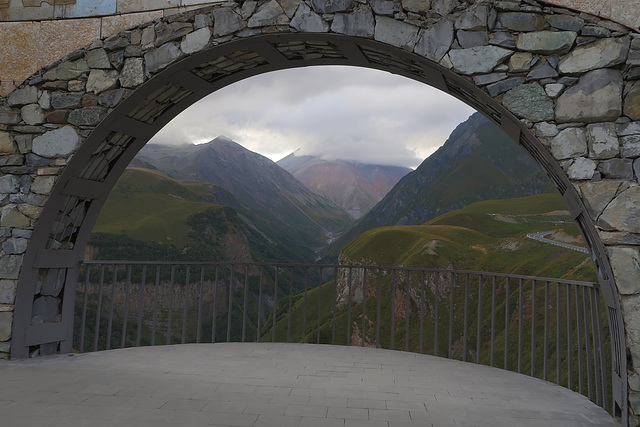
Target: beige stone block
[[626, 12], [595, 7], [19, 46], [127, 6], [30, 46], [55, 40], [115, 24], [6, 87]]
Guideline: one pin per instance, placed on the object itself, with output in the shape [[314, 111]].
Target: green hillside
[[148, 205], [484, 236]]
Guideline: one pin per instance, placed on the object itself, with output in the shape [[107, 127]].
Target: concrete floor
[[279, 385]]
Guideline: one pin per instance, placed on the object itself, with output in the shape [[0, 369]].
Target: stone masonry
[[572, 78]]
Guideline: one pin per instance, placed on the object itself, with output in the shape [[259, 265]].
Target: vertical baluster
[[587, 343], [520, 323], [407, 305], [569, 343], [214, 310], [558, 334], [141, 294], [200, 298], [452, 282], [436, 293], [466, 317], [259, 323], [155, 307], [364, 307], [350, 282], [546, 331], [186, 305], [493, 320], [290, 303], [171, 284], [126, 307], [479, 329], [422, 312], [245, 300], [506, 323], [84, 307], [580, 341], [533, 327], [113, 297], [319, 303], [335, 297], [393, 310], [601, 345], [594, 346], [379, 298], [275, 305], [99, 309], [230, 302], [304, 305]]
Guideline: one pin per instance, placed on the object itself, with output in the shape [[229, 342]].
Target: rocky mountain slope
[[271, 200], [356, 187], [478, 162]]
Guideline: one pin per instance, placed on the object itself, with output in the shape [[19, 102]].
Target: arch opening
[[67, 218]]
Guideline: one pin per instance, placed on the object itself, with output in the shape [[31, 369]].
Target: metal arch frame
[[432, 74]]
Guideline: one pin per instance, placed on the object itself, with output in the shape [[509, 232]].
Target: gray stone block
[[307, 20], [475, 60], [597, 97], [57, 143], [518, 21], [600, 54], [396, 33], [359, 23], [546, 42], [529, 101], [161, 57], [602, 140], [331, 6], [268, 14], [616, 168], [434, 42]]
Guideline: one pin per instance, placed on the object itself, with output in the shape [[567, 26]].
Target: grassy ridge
[[484, 236], [148, 205]]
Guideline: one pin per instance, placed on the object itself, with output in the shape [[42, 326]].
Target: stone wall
[[35, 33], [573, 80]]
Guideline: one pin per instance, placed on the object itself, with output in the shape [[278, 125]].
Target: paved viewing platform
[[279, 385]]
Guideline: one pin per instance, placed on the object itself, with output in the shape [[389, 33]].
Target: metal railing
[[556, 330]]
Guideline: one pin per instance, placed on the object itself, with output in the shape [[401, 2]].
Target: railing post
[[84, 309]]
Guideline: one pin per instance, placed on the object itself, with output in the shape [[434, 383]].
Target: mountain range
[[356, 187], [289, 221]]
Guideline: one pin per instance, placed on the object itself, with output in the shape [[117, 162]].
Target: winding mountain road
[[540, 237]]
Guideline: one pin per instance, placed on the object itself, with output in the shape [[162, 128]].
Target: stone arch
[[568, 99]]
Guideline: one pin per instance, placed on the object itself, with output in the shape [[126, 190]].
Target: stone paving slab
[[279, 385]]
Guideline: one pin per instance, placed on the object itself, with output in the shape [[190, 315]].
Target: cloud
[[337, 112]]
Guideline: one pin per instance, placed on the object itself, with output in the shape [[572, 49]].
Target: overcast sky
[[336, 112]]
